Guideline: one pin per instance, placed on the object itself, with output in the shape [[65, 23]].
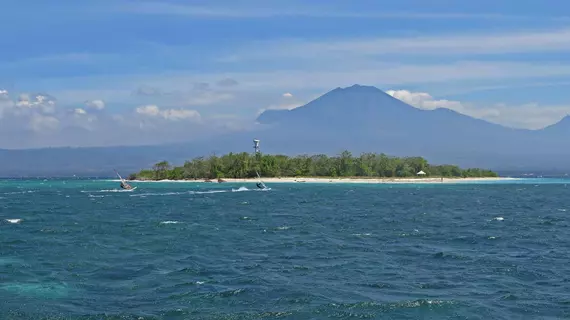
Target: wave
[[176, 193], [107, 190], [20, 192], [240, 189]]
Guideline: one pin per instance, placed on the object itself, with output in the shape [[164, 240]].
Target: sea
[[83, 249]]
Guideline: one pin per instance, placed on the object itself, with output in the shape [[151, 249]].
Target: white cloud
[[29, 103], [42, 123], [5, 103], [521, 41], [288, 95], [424, 100], [168, 114], [296, 8], [180, 114], [79, 111], [526, 116], [38, 121], [95, 104], [150, 110]]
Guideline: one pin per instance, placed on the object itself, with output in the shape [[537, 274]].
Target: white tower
[[256, 145]]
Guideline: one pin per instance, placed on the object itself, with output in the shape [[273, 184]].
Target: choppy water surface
[[83, 250]]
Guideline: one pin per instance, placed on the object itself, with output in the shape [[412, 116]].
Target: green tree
[[244, 165], [161, 170]]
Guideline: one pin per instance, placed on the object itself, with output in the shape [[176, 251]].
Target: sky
[[118, 72]]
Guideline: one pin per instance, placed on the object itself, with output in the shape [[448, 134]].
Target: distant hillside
[[360, 118]]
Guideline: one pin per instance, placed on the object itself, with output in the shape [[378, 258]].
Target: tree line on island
[[244, 165]]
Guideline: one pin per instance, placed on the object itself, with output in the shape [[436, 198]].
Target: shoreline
[[337, 180]]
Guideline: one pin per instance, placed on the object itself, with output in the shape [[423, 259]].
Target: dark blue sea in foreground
[[83, 250]]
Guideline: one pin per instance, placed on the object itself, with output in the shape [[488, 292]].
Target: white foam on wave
[[20, 192], [499, 218], [208, 192], [13, 220], [362, 234], [241, 189], [169, 222], [283, 228], [143, 195], [107, 190], [176, 193]]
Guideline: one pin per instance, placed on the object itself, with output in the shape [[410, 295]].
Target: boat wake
[[108, 190], [240, 189]]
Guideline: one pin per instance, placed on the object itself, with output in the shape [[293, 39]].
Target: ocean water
[[84, 250]]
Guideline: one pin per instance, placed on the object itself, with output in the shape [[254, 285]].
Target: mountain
[[357, 118], [365, 118]]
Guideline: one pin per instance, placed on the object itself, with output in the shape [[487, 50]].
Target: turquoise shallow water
[[82, 250]]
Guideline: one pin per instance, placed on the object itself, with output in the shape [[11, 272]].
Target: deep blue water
[[299, 251]]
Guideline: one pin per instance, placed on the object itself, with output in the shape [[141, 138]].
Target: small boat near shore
[[124, 184]]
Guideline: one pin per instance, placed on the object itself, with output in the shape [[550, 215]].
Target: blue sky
[[169, 68]]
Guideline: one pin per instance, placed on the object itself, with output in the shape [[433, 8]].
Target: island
[[366, 168]]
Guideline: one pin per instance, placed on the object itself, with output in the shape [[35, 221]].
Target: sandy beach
[[343, 180]]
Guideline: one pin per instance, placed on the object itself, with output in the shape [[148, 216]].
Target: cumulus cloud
[[36, 102], [526, 116], [95, 104], [36, 114], [168, 114], [43, 123], [288, 95], [5, 102], [39, 121], [79, 111], [424, 100]]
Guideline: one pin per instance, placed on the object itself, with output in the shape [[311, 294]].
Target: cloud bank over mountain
[[210, 68], [152, 115]]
